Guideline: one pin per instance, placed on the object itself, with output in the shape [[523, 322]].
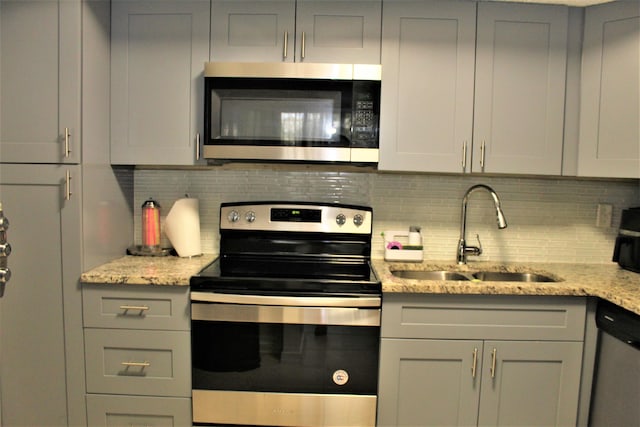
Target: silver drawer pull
[[134, 307], [144, 364]]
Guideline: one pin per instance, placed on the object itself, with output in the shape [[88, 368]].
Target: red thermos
[[151, 225]]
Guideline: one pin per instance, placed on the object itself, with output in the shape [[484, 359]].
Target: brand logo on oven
[[340, 377]]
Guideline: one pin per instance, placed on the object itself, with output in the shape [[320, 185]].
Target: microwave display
[[291, 119]]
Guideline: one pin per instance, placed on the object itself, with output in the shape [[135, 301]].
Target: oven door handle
[[248, 313], [372, 301]]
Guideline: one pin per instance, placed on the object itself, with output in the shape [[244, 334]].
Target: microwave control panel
[[366, 114]]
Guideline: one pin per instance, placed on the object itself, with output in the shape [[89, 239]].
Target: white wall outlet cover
[[604, 215]]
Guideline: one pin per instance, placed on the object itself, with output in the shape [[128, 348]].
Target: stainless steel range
[[286, 322]]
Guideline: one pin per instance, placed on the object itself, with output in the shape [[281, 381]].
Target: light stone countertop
[[607, 281], [148, 270]]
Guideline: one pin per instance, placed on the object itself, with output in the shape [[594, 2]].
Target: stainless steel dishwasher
[[616, 389]]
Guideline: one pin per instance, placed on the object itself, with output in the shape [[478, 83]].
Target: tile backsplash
[[549, 220]]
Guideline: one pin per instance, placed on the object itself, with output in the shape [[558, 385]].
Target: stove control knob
[[250, 216], [341, 219], [358, 220], [233, 216]]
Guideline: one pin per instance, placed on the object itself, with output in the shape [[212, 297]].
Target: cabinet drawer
[[155, 363], [136, 307], [483, 317], [103, 411]]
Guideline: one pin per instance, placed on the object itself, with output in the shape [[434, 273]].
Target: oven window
[[291, 358]]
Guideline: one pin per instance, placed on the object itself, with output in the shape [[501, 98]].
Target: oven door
[[285, 361]]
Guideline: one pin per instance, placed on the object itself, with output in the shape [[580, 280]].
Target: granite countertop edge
[[607, 281], [147, 270]]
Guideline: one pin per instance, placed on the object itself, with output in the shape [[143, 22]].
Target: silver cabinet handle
[[198, 146], [302, 49], [482, 156], [5, 276], [67, 192], [144, 364], [285, 44], [474, 365], [493, 363], [464, 157], [67, 145], [5, 251], [140, 308]]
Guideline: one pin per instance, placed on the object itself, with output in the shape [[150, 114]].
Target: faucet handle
[[475, 250]]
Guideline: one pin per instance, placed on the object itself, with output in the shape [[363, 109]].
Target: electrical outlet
[[604, 215]]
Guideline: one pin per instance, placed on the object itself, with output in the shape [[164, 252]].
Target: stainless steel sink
[[481, 276], [504, 276], [430, 275]]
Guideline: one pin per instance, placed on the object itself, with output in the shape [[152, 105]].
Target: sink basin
[[482, 276], [504, 276], [430, 275]]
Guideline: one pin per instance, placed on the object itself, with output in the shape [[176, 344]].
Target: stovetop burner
[[292, 248], [364, 281]]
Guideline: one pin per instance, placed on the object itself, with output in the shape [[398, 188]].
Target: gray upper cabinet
[[295, 31], [520, 89], [40, 81], [158, 51], [467, 94], [610, 96], [428, 53]]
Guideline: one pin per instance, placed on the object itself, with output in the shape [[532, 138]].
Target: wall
[[550, 220]]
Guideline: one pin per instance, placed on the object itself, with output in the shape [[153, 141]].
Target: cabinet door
[[253, 31], [115, 411], [428, 53], [40, 81], [130, 307], [338, 31], [520, 88], [610, 96], [429, 382], [143, 362], [41, 342], [532, 383], [158, 51]]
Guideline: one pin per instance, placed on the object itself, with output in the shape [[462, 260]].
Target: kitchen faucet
[[463, 249]]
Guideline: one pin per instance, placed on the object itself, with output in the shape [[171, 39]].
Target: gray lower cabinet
[[480, 360], [158, 51], [40, 73], [41, 340], [112, 411], [610, 96], [138, 355]]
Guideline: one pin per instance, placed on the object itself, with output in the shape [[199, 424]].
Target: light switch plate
[[604, 215]]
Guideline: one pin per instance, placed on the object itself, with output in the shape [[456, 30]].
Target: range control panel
[[304, 217]]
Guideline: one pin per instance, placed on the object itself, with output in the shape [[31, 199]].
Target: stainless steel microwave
[[292, 112]]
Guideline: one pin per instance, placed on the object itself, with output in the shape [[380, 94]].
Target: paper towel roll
[[182, 227]]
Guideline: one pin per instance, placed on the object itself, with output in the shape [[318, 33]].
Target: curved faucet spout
[[463, 249]]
